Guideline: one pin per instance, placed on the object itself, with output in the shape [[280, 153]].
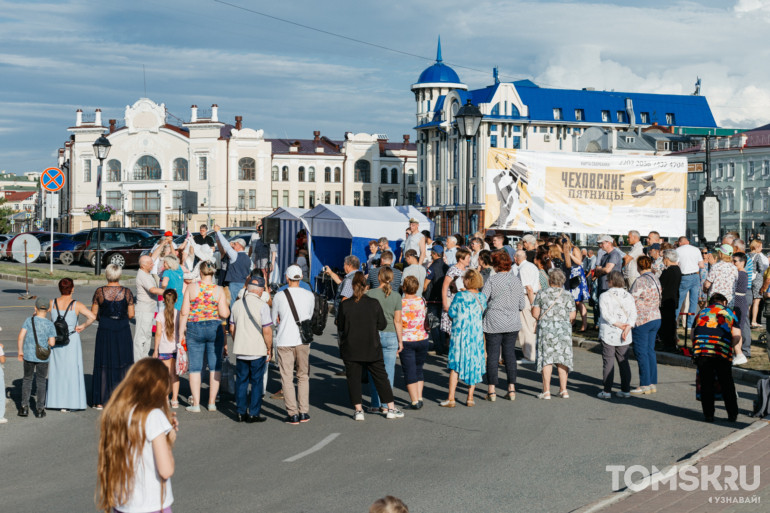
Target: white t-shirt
[[631, 270], [529, 275], [288, 332], [689, 258], [145, 496]]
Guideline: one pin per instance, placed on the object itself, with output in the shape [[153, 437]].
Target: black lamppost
[[468, 120], [709, 214], [101, 150]]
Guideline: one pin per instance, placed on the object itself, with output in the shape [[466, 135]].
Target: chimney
[[194, 114], [381, 140], [316, 136], [98, 117], [406, 140], [214, 115], [112, 125], [238, 122], [78, 117]]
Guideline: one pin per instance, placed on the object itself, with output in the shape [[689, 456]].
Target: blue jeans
[[205, 338], [690, 283], [389, 341], [249, 372], [235, 288], [644, 349]]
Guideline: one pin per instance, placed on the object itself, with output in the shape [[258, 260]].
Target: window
[[422, 170], [766, 168], [274, 199], [691, 202], [252, 199], [202, 168], [363, 171], [731, 170], [87, 170], [437, 157], [495, 110], [285, 173], [327, 174], [493, 141], [455, 198], [241, 205], [692, 176], [146, 201], [384, 175], [557, 114], [337, 175], [301, 174], [720, 170], [311, 174], [180, 170], [492, 128], [146, 220], [115, 200], [247, 169], [516, 142], [328, 197], [147, 168], [394, 175], [410, 177], [644, 117], [605, 116], [176, 199], [311, 199], [749, 203], [357, 198], [367, 198], [579, 115], [337, 198], [473, 196], [437, 197], [301, 199], [515, 111], [455, 160], [750, 170], [620, 116], [274, 174], [113, 171], [285, 198], [670, 118]]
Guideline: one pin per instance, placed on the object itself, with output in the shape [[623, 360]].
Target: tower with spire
[[434, 82]]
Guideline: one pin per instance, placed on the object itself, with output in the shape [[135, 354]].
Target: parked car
[[4, 238], [128, 256], [111, 238], [64, 249], [45, 244], [232, 231], [37, 234]]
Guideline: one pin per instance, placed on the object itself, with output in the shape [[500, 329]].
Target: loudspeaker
[[271, 230], [190, 202]]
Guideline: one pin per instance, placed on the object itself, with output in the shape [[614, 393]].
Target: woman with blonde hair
[[173, 278], [166, 340], [137, 434], [391, 337]]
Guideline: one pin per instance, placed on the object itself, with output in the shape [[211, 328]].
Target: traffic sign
[[38, 224], [52, 205], [52, 179]]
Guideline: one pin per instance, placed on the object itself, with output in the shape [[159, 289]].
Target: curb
[[706, 451], [42, 281], [745, 375]]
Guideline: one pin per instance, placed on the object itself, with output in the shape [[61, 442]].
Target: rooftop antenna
[[144, 74]]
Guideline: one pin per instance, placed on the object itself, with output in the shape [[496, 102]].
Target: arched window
[[495, 110], [301, 173], [247, 169], [394, 175], [274, 175], [147, 168], [181, 170], [514, 111], [384, 175], [327, 174], [363, 171], [113, 171], [285, 173], [311, 174], [410, 177], [337, 175]]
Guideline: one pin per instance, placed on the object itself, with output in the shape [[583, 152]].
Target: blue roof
[[439, 72]]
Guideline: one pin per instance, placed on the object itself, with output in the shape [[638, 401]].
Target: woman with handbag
[[502, 322], [616, 318], [414, 332], [66, 383], [647, 293], [554, 309], [204, 305]]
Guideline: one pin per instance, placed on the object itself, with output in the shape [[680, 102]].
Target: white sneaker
[[3, 420], [740, 359], [604, 395], [622, 395], [359, 415], [524, 361], [395, 413]]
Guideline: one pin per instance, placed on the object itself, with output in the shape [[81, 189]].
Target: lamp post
[[709, 215], [101, 150], [468, 121]]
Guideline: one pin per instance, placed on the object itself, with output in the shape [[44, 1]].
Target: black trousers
[[40, 373], [354, 371], [667, 332], [710, 366], [496, 341]]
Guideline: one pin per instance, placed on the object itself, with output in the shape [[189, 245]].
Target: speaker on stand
[[271, 230]]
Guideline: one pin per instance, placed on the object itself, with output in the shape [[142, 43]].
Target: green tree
[[5, 217]]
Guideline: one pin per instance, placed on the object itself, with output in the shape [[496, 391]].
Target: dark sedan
[[128, 256]]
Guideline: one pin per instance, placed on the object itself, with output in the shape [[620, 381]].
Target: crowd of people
[[481, 303]]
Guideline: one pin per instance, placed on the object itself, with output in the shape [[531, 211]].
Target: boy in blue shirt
[[46, 335]]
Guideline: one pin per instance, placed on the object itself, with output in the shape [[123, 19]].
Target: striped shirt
[[505, 295]]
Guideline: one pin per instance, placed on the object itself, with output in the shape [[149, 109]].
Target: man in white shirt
[[690, 263], [530, 280], [252, 330], [292, 353], [450, 252], [630, 271], [146, 304]]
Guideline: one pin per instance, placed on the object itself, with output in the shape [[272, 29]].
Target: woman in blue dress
[[576, 283], [466, 360], [66, 380], [173, 278]]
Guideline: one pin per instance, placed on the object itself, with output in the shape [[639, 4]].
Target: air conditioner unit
[[547, 137]]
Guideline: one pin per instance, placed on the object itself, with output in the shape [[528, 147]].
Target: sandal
[[447, 404], [544, 395], [174, 404], [491, 397], [511, 395], [470, 402], [564, 394]]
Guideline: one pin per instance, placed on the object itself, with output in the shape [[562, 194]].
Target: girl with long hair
[[137, 434], [167, 338]]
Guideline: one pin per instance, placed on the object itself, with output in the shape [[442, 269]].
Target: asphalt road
[[527, 455]]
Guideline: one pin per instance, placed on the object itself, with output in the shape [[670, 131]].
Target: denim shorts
[[166, 356], [205, 338]]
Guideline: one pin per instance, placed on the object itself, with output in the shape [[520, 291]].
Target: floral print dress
[[466, 347], [454, 272], [554, 329]]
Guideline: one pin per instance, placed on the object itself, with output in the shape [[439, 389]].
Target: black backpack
[[62, 328], [320, 314]]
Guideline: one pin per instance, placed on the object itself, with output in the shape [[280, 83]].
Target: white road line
[[317, 447]]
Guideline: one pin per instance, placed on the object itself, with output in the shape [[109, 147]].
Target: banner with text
[[585, 192]]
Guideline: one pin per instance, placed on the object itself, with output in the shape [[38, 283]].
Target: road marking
[[317, 447]]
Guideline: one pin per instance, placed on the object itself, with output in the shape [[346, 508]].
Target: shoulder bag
[[41, 352], [431, 321], [305, 327]]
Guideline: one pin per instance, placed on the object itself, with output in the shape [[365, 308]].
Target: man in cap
[[41, 333], [292, 353], [415, 240], [252, 331], [611, 260], [238, 266]]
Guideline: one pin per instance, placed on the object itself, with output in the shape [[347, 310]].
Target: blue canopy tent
[[291, 223], [338, 231]]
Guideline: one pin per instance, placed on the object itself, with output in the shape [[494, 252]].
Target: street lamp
[[709, 214], [101, 150], [468, 121]]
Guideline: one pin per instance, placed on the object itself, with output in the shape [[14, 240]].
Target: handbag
[[228, 376], [305, 327], [182, 361], [42, 353], [431, 321]]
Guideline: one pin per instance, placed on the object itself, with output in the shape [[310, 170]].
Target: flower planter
[[100, 216]]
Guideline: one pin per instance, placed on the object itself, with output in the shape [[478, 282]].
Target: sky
[[290, 80]]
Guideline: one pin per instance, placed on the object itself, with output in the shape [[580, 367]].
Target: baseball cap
[[437, 249], [413, 220], [239, 241], [168, 234], [42, 303], [654, 246], [294, 272], [257, 281], [605, 238], [726, 249]]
